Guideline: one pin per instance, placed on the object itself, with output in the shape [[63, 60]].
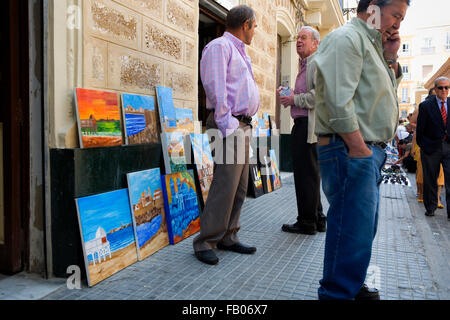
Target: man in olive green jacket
[[357, 111]]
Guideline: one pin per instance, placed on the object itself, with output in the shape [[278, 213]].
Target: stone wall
[[135, 45]]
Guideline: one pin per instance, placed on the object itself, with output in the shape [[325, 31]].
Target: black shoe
[[429, 214], [303, 228], [321, 224], [207, 256], [366, 293], [237, 247]]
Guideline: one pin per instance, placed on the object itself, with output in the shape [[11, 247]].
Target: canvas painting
[[255, 185], [203, 162], [140, 119], [180, 200], [107, 234], [147, 206], [276, 179], [266, 174], [185, 120], [173, 152], [98, 114], [167, 114]]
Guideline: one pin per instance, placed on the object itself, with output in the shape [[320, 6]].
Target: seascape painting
[[167, 114], [203, 162], [180, 200], [140, 119], [147, 206], [185, 120], [99, 121], [173, 152], [276, 179], [107, 234]]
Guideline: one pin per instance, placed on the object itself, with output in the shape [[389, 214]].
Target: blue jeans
[[351, 186]]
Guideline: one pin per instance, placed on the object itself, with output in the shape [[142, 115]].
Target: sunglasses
[[442, 88]]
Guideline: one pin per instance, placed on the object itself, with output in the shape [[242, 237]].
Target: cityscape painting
[[140, 119], [276, 179], [107, 234], [147, 206], [203, 162], [98, 115], [255, 185], [180, 200], [173, 151], [185, 120], [167, 114]]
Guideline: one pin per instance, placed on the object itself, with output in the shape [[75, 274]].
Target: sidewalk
[[410, 259]]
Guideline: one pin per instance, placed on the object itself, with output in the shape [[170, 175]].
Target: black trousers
[[306, 173], [431, 166]]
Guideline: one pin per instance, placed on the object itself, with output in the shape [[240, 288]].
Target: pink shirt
[[300, 87], [227, 77]]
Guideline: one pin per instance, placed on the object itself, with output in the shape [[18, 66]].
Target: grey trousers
[[219, 221]]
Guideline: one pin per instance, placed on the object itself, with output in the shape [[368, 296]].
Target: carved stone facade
[[135, 45]]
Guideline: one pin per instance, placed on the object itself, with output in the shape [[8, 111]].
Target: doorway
[[211, 26], [14, 127]]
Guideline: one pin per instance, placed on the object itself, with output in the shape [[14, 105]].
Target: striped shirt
[[227, 77]]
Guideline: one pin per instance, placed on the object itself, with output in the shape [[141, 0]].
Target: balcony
[[427, 50]]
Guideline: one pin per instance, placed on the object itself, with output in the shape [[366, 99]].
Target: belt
[[334, 137], [244, 119]]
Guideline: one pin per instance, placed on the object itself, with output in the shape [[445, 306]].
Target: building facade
[[423, 52], [123, 46]]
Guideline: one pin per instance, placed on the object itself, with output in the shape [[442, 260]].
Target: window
[[427, 46], [405, 48], [405, 95], [405, 71], [404, 114]]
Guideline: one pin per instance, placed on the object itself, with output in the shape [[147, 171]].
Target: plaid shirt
[[227, 77]]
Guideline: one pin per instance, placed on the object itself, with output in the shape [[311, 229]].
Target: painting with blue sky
[[166, 109], [107, 234], [140, 119], [147, 205]]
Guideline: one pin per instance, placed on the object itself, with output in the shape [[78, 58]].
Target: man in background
[[310, 217]]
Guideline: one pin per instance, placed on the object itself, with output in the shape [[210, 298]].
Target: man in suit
[[433, 138], [310, 217]]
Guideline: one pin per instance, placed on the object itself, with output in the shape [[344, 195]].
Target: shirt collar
[[237, 42], [372, 33], [439, 101]]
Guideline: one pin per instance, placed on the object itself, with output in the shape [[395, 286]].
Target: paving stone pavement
[[286, 266]]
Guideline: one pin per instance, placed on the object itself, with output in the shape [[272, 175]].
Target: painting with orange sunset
[[99, 118]]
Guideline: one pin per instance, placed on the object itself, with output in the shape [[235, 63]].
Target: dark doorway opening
[[211, 26], [14, 116]]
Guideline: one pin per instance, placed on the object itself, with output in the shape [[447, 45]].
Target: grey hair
[[440, 79], [238, 15], [315, 33]]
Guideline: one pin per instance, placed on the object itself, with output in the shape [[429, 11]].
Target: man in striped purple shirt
[[233, 97]]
